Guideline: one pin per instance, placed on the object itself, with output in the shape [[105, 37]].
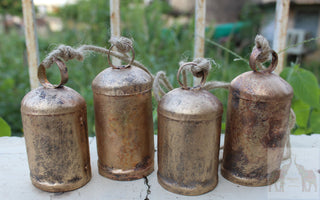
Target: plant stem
[[227, 50], [309, 117], [300, 43]]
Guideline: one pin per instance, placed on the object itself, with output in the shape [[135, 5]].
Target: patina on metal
[[257, 120], [123, 122], [54, 121], [189, 125]]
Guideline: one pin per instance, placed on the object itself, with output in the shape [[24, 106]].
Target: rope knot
[[64, 52], [123, 44], [201, 68], [262, 45]]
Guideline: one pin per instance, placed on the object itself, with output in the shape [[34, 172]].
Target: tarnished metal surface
[[189, 125], [55, 130], [257, 120], [124, 124], [115, 24], [199, 31], [280, 32], [31, 41]]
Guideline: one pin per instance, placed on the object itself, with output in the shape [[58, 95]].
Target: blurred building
[[48, 6], [217, 11], [303, 23]]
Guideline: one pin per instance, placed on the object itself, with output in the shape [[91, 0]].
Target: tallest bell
[[124, 123], [257, 122]]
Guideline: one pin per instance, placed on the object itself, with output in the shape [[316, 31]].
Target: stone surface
[[15, 182]]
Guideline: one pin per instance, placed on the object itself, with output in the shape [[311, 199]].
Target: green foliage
[[14, 81], [157, 44], [306, 100], [5, 129], [12, 7], [304, 83]]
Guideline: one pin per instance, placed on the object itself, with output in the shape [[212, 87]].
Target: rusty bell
[[189, 125], [54, 121], [257, 121], [123, 122]]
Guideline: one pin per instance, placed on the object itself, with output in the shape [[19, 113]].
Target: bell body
[[257, 121], [124, 124], [189, 125], [56, 135]]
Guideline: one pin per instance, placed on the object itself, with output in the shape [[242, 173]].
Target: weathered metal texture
[[55, 129], [189, 125], [280, 33], [257, 120], [199, 36], [115, 24], [124, 124], [31, 41]]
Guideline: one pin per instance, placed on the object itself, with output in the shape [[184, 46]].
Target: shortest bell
[[189, 125], [55, 128]]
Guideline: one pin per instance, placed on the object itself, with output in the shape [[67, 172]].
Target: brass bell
[[54, 121], [189, 125], [123, 121], [257, 121]]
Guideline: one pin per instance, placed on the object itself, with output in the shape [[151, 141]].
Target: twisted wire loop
[[261, 53], [199, 68], [63, 73], [123, 45]]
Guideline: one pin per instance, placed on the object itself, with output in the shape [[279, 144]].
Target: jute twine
[[123, 44], [204, 66], [201, 68], [68, 53], [262, 44], [161, 84]]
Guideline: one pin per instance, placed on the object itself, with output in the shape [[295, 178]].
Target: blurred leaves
[[12, 7], [160, 42], [304, 84], [14, 81], [5, 129], [305, 103]]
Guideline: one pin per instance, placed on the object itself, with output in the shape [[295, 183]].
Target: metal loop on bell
[[63, 73], [203, 79], [118, 67], [253, 61]]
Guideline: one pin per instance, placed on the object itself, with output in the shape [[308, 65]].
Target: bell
[[54, 121], [189, 125], [123, 122], [257, 120]]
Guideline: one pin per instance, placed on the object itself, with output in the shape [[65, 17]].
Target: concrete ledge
[[15, 182]]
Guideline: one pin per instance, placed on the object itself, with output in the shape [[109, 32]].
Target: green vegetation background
[[157, 45]]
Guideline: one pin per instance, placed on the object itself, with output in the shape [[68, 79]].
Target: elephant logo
[[279, 185], [308, 177]]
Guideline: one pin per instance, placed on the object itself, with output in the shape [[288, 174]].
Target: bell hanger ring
[[63, 73], [121, 66], [255, 56], [185, 87]]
